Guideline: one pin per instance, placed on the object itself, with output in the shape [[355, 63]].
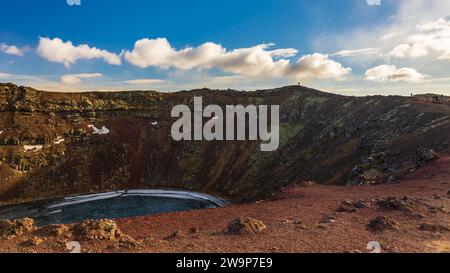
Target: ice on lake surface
[[109, 206]]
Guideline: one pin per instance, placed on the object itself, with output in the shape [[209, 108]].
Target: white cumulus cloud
[[390, 73], [71, 79], [256, 61], [431, 39], [56, 50], [12, 50], [318, 66]]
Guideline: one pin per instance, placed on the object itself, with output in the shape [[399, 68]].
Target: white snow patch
[[103, 131], [33, 148], [154, 123]]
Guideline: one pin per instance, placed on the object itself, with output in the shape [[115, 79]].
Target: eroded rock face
[[16, 227], [103, 230], [323, 137], [246, 225]]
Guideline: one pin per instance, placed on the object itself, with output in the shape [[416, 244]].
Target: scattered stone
[[174, 235], [418, 215], [128, 243], [195, 230], [397, 203], [347, 202], [103, 230], [274, 249], [16, 227], [246, 225], [434, 227], [329, 219], [299, 224], [436, 197], [360, 204], [347, 206], [191, 245], [437, 209], [349, 209], [382, 223]]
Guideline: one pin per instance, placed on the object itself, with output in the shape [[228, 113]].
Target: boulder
[[347, 206], [102, 230], [246, 225], [195, 230], [16, 227], [398, 203], [329, 219], [352, 206], [382, 223]]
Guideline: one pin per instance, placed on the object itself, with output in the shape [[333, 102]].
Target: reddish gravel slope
[[311, 205]]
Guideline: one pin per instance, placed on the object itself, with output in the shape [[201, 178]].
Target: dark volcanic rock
[[399, 203], [352, 206], [382, 223]]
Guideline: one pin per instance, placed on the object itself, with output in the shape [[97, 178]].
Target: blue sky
[[352, 47]]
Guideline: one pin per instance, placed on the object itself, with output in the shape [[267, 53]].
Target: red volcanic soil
[[299, 219], [310, 205]]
